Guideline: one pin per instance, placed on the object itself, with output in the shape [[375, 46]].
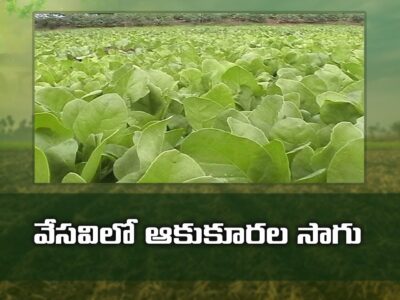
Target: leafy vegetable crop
[[204, 104]]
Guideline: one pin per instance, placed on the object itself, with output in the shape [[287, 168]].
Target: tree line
[[80, 20], [13, 130]]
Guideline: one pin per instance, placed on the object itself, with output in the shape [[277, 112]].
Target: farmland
[[211, 104], [269, 290], [381, 177]]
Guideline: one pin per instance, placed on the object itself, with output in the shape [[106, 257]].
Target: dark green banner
[[376, 258]]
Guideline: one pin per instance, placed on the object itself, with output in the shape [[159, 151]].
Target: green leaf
[[236, 76], [301, 163], [201, 113], [42, 171], [50, 121], [347, 165], [314, 84], [247, 130], [289, 110], [162, 80], [221, 121], [265, 115], [172, 167], [53, 98], [204, 179], [73, 178], [192, 77], [150, 143], [127, 163], [334, 78], [71, 111], [130, 82], [280, 171], [49, 131], [91, 167], [318, 176], [220, 94], [342, 133], [104, 115], [293, 132], [337, 108], [172, 138], [140, 118], [62, 158], [229, 157], [307, 98]]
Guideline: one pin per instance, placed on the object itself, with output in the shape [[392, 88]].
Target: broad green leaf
[[280, 171], [314, 84], [200, 112], [49, 131], [236, 76], [318, 176], [42, 171], [301, 163], [221, 94], [355, 92], [150, 143], [336, 107], [172, 167], [172, 138], [162, 80], [90, 96], [140, 118], [342, 133], [292, 131], [307, 98], [347, 165], [265, 115], [221, 121], [289, 110], [226, 156], [204, 179], [127, 163], [73, 178], [247, 130], [193, 78], [54, 98], [130, 82], [91, 167], [71, 111], [334, 78], [50, 121], [115, 151], [153, 103], [294, 98], [62, 158], [104, 115], [288, 73], [214, 69]]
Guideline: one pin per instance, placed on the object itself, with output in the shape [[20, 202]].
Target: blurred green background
[[383, 156]]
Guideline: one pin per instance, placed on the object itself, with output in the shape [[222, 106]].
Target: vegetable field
[[200, 104]]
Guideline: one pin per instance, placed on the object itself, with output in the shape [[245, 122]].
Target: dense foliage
[[200, 104]]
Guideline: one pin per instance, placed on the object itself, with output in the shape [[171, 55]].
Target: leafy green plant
[[204, 104]]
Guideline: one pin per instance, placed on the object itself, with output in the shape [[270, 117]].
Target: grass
[[15, 145], [149, 290], [383, 145]]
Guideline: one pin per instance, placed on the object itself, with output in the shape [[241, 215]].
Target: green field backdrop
[[382, 159]]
